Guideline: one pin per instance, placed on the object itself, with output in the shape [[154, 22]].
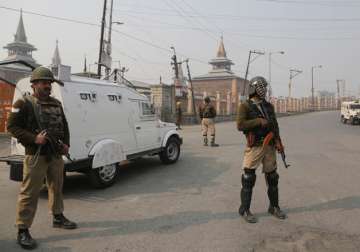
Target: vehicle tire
[[351, 120], [342, 119], [170, 154], [103, 176]]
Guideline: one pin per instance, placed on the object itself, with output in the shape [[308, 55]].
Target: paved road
[[192, 205]]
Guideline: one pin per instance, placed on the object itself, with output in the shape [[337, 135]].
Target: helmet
[[43, 73], [207, 99], [258, 86]]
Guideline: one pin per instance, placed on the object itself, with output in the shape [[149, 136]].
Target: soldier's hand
[[41, 138], [279, 146], [65, 149], [263, 122]]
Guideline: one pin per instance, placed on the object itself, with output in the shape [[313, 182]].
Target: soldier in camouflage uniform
[[39, 124], [256, 119], [207, 114]]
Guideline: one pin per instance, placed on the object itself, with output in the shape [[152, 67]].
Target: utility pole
[[312, 86], [192, 90], [293, 73], [247, 69], [102, 39], [338, 104], [108, 42], [175, 64]]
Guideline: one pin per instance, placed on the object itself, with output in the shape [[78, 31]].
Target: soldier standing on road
[[256, 118], [207, 115], [39, 124], [178, 115]]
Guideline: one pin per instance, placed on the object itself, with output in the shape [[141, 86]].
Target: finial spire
[[56, 60], [20, 35], [221, 50], [85, 64]]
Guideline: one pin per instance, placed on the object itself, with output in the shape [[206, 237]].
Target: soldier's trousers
[[208, 124], [34, 173]]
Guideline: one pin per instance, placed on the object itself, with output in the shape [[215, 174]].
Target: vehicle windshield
[[355, 106]]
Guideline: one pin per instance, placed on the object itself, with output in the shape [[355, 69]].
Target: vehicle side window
[[146, 109]]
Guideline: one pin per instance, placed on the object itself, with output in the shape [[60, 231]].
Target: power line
[[252, 18], [342, 3], [52, 17]]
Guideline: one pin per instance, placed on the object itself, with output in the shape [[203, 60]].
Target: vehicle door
[[146, 127]]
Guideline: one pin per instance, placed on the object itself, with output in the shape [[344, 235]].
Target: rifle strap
[[36, 109]]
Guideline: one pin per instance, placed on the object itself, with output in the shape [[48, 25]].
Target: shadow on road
[[160, 224], [11, 245], [348, 203], [148, 175]]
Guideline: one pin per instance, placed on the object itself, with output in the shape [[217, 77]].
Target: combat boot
[[212, 143], [25, 240], [205, 141], [276, 212], [60, 221], [248, 181], [272, 180]]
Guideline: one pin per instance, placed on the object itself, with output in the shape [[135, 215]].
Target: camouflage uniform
[[207, 114], [40, 162], [257, 120], [39, 124]]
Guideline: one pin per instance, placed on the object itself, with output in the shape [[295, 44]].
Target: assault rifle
[[267, 139]]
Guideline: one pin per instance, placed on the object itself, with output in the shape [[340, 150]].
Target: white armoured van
[[109, 123], [350, 112]]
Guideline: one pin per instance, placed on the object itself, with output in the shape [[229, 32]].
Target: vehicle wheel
[[104, 176], [170, 154], [351, 120], [342, 119]]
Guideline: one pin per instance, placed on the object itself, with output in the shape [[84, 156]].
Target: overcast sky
[[311, 32]]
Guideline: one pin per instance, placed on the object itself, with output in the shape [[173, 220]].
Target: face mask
[[261, 90]]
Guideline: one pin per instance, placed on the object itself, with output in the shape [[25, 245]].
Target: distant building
[[163, 100], [220, 81], [10, 74], [142, 87], [19, 49], [7, 90]]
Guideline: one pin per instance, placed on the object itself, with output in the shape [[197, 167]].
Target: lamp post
[[258, 53], [270, 53], [293, 73], [312, 86]]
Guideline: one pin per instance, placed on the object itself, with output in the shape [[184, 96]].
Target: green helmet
[[207, 99], [43, 73]]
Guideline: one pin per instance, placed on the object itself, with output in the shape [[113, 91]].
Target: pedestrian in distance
[[178, 115], [207, 114], [257, 120], [39, 124]]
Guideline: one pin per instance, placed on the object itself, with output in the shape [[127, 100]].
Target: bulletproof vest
[[51, 118], [48, 116], [208, 111], [254, 112]]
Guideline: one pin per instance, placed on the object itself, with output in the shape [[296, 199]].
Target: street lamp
[[270, 53], [293, 73], [258, 53], [312, 85]]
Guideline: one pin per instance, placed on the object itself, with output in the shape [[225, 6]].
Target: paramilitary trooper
[[257, 120], [39, 124], [207, 114], [178, 113]]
